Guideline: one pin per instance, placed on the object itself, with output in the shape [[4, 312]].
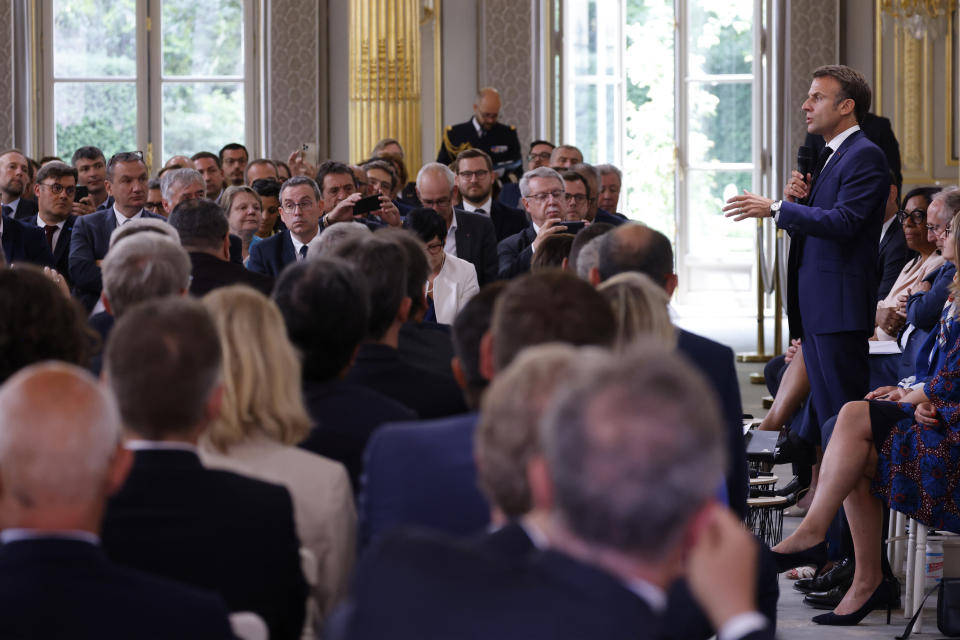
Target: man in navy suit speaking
[[834, 217]]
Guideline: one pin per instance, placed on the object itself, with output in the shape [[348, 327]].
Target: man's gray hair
[[634, 447], [142, 225], [436, 167], [301, 180], [325, 244], [607, 169], [589, 258], [143, 267], [950, 197], [176, 178], [56, 453], [539, 172]]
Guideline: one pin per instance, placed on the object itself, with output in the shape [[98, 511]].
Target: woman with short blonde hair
[[640, 308]]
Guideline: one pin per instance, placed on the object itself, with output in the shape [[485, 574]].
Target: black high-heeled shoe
[[815, 555], [882, 597]]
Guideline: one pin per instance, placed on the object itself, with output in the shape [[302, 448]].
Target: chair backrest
[[247, 625]]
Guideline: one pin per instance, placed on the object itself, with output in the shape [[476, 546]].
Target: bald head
[[637, 247], [55, 457], [487, 107]]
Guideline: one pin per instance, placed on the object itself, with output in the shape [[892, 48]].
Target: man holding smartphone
[[342, 199], [91, 169]]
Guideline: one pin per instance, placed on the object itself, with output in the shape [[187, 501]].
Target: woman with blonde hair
[[261, 421], [640, 308], [242, 206]]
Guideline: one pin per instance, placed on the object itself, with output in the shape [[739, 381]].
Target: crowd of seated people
[[345, 421]]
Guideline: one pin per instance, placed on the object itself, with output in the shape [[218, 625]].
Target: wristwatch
[[775, 209]]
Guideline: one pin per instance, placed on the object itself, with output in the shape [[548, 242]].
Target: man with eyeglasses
[[470, 236], [576, 197], [14, 175], [126, 181], [483, 131], [300, 210], [55, 187], [539, 156], [545, 202], [475, 177], [339, 193]]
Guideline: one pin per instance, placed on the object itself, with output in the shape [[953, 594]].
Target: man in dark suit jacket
[[470, 236], [24, 243], [15, 174], [325, 308], [879, 132], [636, 247], [834, 240], [53, 216], [484, 132], [475, 178], [613, 544], [544, 204], [205, 234], [127, 183], [55, 580], [173, 517], [300, 210]]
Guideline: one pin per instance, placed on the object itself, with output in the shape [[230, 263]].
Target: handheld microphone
[[806, 161]]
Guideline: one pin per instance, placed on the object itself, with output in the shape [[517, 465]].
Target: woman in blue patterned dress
[[905, 454]]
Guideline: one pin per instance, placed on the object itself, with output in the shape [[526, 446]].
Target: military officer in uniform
[[483, 131]]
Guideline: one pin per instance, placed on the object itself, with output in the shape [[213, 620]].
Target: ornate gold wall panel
[[912, 114], [385, 76]]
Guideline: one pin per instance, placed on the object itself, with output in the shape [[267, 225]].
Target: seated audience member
[[539, 156], [91, 168], [640, 308], [300, 210], [392, 496], [594, 213], [611, 181], [475, 179], [205, 234], [208, 164], [269, 192], [203, 527], [346, 233], [554, 253], [382, 178], [260, 169], [263, 418], [57, 327], [614, 544], [543, 199], [893, 249], [243, 210], [636, 247], [582, 259], [154, 203], [233, 160], [325, 307], [576, 196], [127, 183], [360, 179], [54, 579], [544, 307], [180, 185], [391, 150], [23, 241], [564, 156], [15, 179], [378, 363], [179, 162], [470, 236], [338, 188], [451, 281]]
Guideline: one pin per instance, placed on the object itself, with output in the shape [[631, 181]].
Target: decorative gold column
[[385, 76]]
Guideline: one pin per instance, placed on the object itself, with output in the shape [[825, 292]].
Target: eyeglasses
[[543, 155], [543, 197], [152, 206], [470, 175], [579, 198], [435, 248], [917, 216], [293, 206], [439, 202], [57, 189]]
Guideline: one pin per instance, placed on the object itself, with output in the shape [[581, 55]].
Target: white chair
[[247, 625]]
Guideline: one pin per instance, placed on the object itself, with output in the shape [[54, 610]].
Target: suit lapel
[[462, 235], [63, 240], [833, 162], [287, 254]]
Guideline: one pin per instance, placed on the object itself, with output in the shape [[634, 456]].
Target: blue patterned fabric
[[918, 472]]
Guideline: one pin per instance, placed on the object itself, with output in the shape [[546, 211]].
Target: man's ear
[[594, 277], [458, 373], [403, 312], [486, 356], [225, 248], [109, 187], [167, 206], [214, 403], [541, 486], [565, 264], [36, 190], [106, 303], [455, 194], [119, 469], [671, 284]]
